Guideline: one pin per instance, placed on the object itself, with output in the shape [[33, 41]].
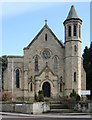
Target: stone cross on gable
[[45, 22]]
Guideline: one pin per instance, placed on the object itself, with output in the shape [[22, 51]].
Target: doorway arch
[[46, 89]]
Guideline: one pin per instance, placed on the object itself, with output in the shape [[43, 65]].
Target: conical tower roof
[[72, 14]]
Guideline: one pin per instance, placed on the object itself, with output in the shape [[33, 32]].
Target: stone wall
[[35, 108], [84, 107], [14, 62]]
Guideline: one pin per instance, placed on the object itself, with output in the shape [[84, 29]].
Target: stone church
[[48, 64]]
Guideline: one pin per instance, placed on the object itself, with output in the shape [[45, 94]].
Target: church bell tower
[[72, 52]]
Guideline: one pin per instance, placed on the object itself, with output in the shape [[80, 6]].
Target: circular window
[[46, 54]]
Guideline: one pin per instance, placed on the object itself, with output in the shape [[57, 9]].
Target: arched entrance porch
[[46, 89]]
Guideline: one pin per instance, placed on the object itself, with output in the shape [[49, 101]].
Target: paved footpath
[[49, 116], [46, 119]]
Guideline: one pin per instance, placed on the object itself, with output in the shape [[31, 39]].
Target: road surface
[[47, 117]]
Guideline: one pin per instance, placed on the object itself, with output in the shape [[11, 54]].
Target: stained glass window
[[46, 54]]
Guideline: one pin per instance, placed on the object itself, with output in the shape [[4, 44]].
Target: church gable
[[45, 46], [45, 34]]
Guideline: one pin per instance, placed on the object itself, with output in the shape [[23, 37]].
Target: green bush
[[74, 95], [36, 98], [41, 95], [77, 97]]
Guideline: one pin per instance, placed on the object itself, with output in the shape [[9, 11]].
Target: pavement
[[48, 115]]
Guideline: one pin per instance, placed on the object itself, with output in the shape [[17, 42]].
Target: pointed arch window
[[17, 78], [36, 63], [60, 87], [31, 85], [55, 63], [74, 76], [46, 37], [61, 84]]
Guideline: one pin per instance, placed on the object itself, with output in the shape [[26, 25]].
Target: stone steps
[[58, 107], [61, 110]]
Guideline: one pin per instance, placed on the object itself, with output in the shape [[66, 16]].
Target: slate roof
[[45, 26], [72, 14]]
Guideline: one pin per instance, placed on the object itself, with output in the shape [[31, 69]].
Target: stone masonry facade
[[48, 64]]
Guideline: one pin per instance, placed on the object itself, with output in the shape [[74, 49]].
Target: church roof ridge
[[14, 56]]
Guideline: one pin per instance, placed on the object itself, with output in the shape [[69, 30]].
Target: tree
[[87, 63]]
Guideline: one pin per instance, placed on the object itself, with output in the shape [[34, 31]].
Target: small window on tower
[[74, 76], [79, 31], [65, 32], [46, 37], [75, 30], [69, 31], [75, 48]]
